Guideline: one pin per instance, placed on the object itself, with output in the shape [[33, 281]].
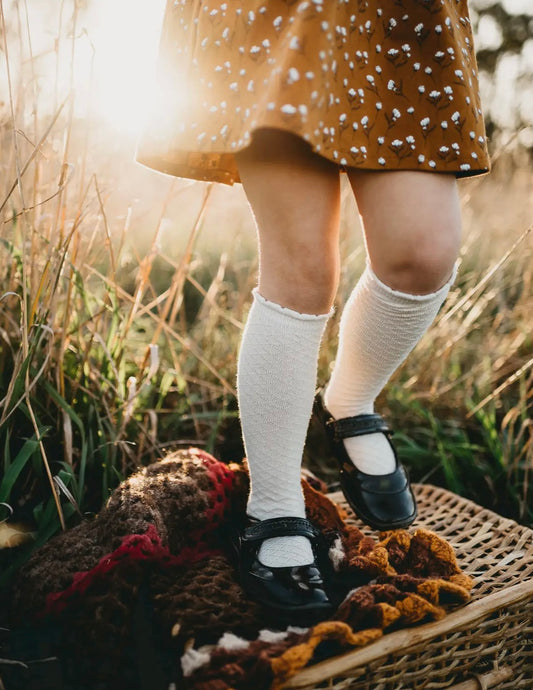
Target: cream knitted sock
[[379, 327], [276, 379]]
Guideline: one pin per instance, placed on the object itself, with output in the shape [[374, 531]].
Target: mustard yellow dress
[[370, 84]]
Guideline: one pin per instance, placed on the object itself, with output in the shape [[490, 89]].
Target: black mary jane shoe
[[292, 594], [384, 501]]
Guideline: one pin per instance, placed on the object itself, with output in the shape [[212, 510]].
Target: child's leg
[[295, 197], [412, 230]]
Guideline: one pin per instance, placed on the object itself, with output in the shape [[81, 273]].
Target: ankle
[[260, 507], [340, 405]]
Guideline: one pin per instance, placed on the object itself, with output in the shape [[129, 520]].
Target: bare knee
[[422, 262], [412, 224]]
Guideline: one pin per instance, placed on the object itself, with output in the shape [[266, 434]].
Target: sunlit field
[[123, 294]]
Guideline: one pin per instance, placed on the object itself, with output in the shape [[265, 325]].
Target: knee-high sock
[[379, 327], [276, 379]]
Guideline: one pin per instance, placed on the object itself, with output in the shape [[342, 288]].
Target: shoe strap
[[280, 527], [359, 425]]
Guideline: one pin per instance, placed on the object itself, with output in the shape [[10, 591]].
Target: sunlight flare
[[103, 52], [125, 35]]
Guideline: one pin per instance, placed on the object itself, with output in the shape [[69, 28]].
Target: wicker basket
[[486, 644]]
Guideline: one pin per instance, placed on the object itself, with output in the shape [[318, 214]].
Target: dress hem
[[222, 167]]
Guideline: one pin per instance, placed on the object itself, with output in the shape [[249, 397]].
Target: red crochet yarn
[[134, 547]]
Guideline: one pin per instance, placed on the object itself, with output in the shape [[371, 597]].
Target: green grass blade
[[16, 467]]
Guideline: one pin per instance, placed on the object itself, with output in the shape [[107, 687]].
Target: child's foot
[[383, 501], [295, 594]]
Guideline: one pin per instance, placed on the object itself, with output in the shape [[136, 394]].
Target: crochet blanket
[[145, 595]]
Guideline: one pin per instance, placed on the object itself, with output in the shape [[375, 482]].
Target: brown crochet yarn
[[159, 530], [203, 601], [178, 497], [266, 664], [159, 544]]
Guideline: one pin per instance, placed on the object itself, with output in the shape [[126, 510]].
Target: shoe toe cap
[[389, 510], [377, 502], [297, 586]]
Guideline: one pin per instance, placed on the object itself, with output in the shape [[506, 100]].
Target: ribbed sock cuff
[[397, 295], [286, 311]]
